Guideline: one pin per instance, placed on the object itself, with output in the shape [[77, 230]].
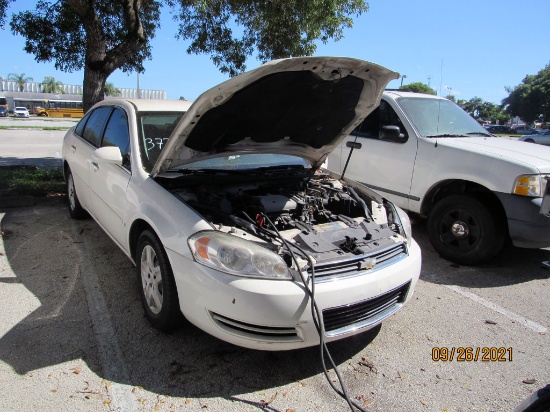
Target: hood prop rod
[[351, 145]]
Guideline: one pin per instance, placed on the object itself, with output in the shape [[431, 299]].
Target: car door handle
[[73, 147], [95, 166], [353, 145]]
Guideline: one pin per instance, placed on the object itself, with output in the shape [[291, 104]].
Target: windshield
[[440, 118], [245, 162], [154, 130]]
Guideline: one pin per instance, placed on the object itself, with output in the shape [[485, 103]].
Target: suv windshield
[[440, 118]]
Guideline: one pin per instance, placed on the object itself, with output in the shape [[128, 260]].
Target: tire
[[158, 292], [536, 402], [529, 141], [463, 230], [75, 209]]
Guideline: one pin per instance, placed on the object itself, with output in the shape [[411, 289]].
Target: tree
[[484, 111], [3, 7], [111, 90], [101, 36], [530, 100], [419, 87], [50, 85], [20, 79]]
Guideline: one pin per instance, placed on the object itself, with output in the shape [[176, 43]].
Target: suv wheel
[[463, 230]]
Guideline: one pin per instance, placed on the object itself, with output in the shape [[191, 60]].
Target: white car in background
[[20, 112], [229, 219]]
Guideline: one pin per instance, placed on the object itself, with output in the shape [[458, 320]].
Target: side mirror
[[391, 134], [108, 154]]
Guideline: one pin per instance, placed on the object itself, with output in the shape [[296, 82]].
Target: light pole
[[402, 77]]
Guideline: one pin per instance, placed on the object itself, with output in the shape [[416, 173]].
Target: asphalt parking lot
[[73, 336]]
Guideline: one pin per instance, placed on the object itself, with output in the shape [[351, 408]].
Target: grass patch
[[18, 181]]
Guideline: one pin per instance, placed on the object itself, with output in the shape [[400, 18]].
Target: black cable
[[317, 318]]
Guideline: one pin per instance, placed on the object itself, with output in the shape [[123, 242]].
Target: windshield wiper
[[479, 134], [281, 169], [445, 135], [205, 171]]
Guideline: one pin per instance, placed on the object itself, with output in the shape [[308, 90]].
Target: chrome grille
[[357, 315], [256, 332], [338, 268]]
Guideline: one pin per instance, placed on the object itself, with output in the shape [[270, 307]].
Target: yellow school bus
[[61, 108]]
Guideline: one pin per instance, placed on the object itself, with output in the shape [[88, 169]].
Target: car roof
[[150, 105], [394, 94]]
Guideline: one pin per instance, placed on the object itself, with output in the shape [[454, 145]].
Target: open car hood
[[299, 106]]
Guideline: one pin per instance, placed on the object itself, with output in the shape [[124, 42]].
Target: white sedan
[[542, 138], [227, 215], [20, 112]]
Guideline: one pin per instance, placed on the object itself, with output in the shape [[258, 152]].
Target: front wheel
[[463, 230], [158, 292]]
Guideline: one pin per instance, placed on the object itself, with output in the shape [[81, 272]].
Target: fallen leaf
[[106, 402], [529, 381], [490, 322]]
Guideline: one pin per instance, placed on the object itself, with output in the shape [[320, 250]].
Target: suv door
[[380, 164]]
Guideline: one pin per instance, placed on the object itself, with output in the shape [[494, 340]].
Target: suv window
[[117, 134], [96, 124], [383, 115]]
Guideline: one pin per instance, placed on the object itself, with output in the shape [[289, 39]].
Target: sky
[[467, 48]]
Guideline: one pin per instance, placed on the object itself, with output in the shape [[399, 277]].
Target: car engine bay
[[322, 219]]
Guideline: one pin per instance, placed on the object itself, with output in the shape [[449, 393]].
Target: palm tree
[[111, 90], [50, 85], [20, 79]]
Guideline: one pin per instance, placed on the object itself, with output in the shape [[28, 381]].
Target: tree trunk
[[94, 83]]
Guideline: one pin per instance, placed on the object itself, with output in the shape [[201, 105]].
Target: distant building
[[32, 97]]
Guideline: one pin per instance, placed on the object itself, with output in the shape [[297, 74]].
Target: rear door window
[[95, 125]]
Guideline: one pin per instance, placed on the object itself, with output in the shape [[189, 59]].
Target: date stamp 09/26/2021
[[472, 354]]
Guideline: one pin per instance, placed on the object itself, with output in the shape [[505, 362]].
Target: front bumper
[[276, 315], [527, 227]]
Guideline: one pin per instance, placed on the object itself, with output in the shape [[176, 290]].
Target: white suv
[[429, 156]]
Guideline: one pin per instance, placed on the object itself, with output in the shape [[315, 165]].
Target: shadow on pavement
[[41, 249]]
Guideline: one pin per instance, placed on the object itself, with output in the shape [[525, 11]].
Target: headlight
[[528, 185], [405, 223], [236, 256]]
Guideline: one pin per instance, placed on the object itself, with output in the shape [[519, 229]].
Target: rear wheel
[[158, 291], [75, 209], [463, 230], [529, 140]]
